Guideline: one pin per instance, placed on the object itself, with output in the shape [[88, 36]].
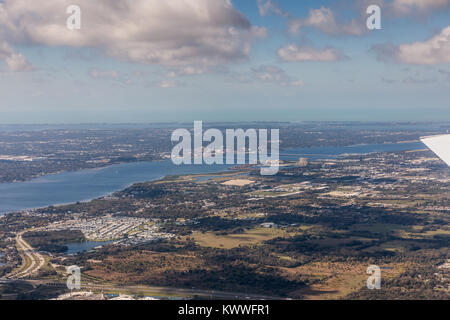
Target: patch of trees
[[53, 241]]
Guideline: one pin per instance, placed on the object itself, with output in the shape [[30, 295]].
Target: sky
[[219, 60]]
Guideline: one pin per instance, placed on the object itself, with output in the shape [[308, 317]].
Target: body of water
[[83, 185], [335, 152], [69, 187], [74, 248]]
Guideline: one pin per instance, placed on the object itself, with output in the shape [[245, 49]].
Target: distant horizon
[[224, 60], [235, 121], [189, 122]]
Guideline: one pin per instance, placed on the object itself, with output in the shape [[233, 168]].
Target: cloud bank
[[176, 33], [420, 7], [324, 20], [432, 51]]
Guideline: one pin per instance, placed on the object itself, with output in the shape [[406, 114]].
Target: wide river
[[69, 187]]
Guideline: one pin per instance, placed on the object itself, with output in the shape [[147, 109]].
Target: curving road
[[28, 254]]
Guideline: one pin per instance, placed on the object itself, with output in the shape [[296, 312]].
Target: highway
[[32, 260], [150, 290]]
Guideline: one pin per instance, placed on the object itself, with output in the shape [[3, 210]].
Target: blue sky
[[244, 62]]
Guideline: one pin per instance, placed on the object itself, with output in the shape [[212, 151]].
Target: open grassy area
[[406, 232], [249, 237], [382, 228], [337, 279], [218, 176]]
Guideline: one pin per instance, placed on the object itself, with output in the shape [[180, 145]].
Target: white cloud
[[104, 74], [176, 33], [324, 20], [408, 7], [187, 71], [167, 84], [18, 62], [432, 51], [115, 76], [274, 74], [14, 61], [295, 53], [267, 6], [268, 74]]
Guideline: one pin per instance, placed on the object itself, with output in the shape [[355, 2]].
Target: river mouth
[[85, 185]]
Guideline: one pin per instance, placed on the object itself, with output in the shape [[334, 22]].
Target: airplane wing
[[440, 145]]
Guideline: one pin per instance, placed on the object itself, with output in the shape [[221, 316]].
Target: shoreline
[[159, 178], [34, 178], [76, 170], [143, 180]]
